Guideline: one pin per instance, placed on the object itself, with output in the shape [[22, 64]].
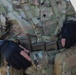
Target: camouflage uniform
[[42, 19]]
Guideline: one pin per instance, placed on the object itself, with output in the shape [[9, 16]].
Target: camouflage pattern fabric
[[42, 21], [43, 63], [65, 62], [47, 25]]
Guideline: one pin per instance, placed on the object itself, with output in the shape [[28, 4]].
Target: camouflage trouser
[[6, 70], [46, 71], [44, 67]]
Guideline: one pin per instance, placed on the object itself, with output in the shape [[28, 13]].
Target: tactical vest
[[41, 23]]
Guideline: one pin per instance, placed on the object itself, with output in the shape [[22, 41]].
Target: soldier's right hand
[[16, 55]]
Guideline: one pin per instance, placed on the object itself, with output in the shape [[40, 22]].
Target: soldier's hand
[[63, 40], [24, 53], [16, 55]]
